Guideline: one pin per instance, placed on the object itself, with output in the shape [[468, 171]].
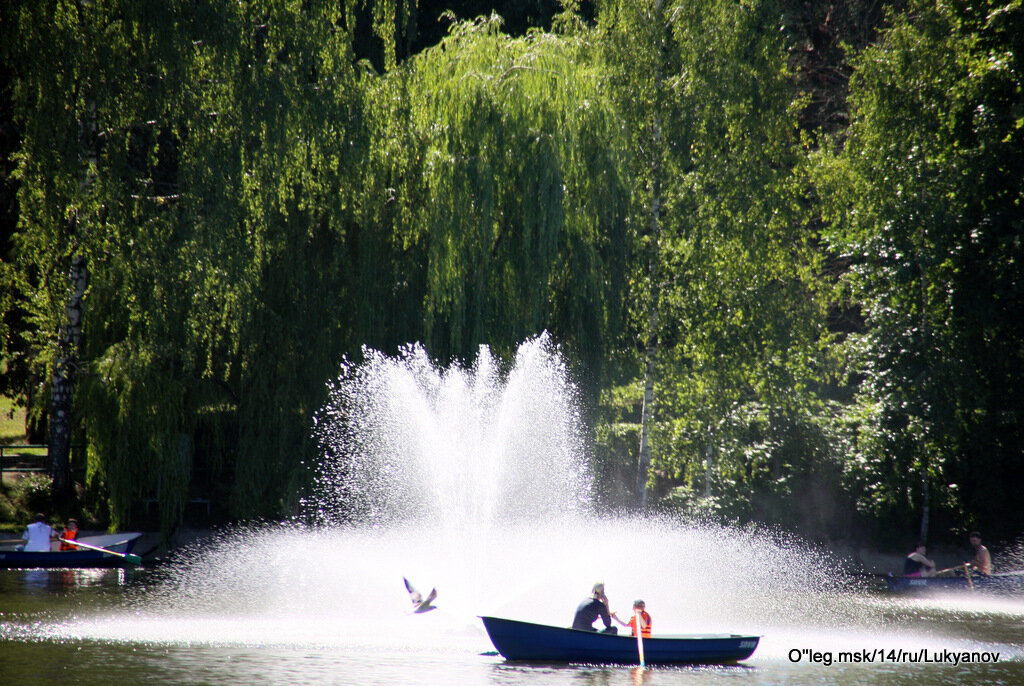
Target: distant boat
[[529, 642], [1000, 582], [118, 543]]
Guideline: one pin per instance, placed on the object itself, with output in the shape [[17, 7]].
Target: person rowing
[[916, 564], [69, 534], [982, 561]]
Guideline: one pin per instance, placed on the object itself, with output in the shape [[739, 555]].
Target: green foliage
[[12, 422], [195, 156], [246, 202], [496, 163], [924, 197], [253, 203], [8, 511], [739, 323], [28, 495]]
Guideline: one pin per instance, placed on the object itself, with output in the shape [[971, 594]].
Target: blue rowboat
[[1000, 582], [541, 643], [68, 559]]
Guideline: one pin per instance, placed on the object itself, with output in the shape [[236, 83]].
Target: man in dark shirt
[[590, 609], [916, 564]]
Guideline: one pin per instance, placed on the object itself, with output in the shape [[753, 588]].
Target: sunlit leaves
[[499, 161], [924, 201], [738, 322], [199, 156]]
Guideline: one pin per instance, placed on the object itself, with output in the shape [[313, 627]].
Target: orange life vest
[[646, 631], [68, 535]]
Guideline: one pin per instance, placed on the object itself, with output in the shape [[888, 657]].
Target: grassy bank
[[12, 423], [21, 495]]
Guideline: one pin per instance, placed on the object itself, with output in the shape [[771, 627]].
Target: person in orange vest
[[645, 619], [70, 533]]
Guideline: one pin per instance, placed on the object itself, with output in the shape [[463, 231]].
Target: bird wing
[[414, 595]]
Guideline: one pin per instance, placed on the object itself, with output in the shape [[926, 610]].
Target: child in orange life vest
[[645, 619], [70, 533]]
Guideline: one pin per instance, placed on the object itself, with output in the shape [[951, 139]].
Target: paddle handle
[[947, 569], [127, 557], [639, 638]]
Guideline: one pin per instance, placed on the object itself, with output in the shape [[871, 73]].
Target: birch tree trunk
[[62, 391], [654, 230]]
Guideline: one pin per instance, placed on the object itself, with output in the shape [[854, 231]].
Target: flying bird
[[418, 602]]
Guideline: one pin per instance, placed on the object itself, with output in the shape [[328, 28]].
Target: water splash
[[473, 479], [461, 447]]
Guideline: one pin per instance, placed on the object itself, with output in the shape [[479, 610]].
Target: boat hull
[[1010, 582], [524, 641], [73, 559]]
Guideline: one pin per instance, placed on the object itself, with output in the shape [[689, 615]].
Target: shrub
[[31, 494]]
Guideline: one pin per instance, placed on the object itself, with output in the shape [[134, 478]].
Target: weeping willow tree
[[496, 185], [252, 201], [199, 158], [87, 115]]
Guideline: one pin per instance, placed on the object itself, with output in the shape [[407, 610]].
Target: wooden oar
[[947, 569], [127, 557], [639, 638]]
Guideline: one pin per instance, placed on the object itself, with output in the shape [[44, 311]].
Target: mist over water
[[473, 480]]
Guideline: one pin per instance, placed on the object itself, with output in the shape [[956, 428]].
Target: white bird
[[419, 604]]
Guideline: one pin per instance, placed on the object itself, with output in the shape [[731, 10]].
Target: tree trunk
[[925, 507], [707, 467], [69, 335], [653, 230], [927, 416], [62, 392], [644, 459]]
